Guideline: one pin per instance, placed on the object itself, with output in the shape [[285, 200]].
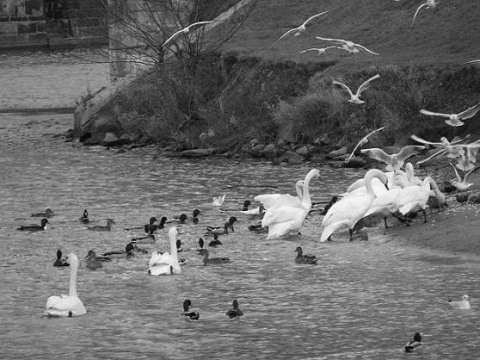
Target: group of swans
[[380, 194], [285, 213]]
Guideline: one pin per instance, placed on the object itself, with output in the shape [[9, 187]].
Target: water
[[364, 300]]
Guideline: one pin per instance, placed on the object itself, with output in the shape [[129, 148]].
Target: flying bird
[[350, 46], [355, 98], [455, 119], [463, 184], [185, 30], [363, 141], [453, 149], [472, 62], [321, 51], [430, 4], [302, 28], [393, 161]]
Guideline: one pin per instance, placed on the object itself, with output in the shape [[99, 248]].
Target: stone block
[[8, 28], [27, 28]]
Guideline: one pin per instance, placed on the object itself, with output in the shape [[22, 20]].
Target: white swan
[[455, 119], [67, 305], [463, 304], [218, 201], [348, 45], [269, 200], [288, 214], [355, 98], [346, 212], [302, 28], [166, 264], [414, 198]]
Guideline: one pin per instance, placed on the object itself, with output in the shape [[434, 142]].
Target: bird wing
[[377, 154], [472, 62], [420, 140], [409, 150], [311, 49], [465, 178], [327, 39], [459, 178], [367, 50], [344, 86], [470, 112], [416, 12], [171, 37], [426, 112], [362, 141], [288, 32], [312, 17], [365, 84], [440, 152]]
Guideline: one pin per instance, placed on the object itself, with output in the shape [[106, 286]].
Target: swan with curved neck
[[346, 212], [166, 264], [288, 213], [67, 305], [269, 200]]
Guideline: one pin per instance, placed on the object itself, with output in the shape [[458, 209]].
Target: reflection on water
[[364, 300]]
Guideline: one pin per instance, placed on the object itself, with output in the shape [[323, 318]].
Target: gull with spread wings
[[393, 161], [185, 30], [430, 4], [463, 184], [321, 51], [355, 98], [302, 28], [452, 149], [472, 62], [455, 119], [362, 141], [350, 46]]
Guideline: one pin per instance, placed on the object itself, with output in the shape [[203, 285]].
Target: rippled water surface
[[364, 300]]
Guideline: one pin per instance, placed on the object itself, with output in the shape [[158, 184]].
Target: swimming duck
[[304, 259], [463, 304], [258, 228], [201, 243], [35, 227], [332, 201], [102, 228], [60, 262], [187, 314], [215, 242], [179, 245], [235, 311], [91, 254], [128, 252], [92, 262], [84, 218], [181, 218], [216, 260], [67, 305], [415, 343], [149, 239], [196, 212], [151, 228], [47, 214], [218, 230]]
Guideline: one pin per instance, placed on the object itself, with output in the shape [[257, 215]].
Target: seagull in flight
[[393, 161], [185, 30], [455, 119], [472, 62], [350, 46], [355, 98], [463, 184], [302, 28], [452, 149], [362, 141], [321, 51], [430, 4]]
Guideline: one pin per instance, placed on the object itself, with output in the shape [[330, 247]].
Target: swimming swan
[[463, 304], [287, 215], [166, 264], [269, 200], [346, 212], [67, 305]]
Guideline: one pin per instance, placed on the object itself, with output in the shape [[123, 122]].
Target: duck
[[415, 343], [235, 311], [181, 218], [179, 245], [218, 201], [92, 255], [195, 214], [67, 305], [47, 214], [166, 264], [35, 227], [60, 262], [127, 253], [201, 244], [148, 239], [215, 242], [84, 218], [258, 228], [152, 227], [216, 260], [346, 212], [92, 262], [107, 227], [304, 259], [463, 304], [188, 314], [223, 230]]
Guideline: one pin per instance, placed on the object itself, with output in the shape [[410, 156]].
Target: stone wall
[[52, 23]]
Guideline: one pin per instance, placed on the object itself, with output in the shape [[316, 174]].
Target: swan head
[[465, 297], [72, 259]]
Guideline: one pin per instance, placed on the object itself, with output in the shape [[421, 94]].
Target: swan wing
[[431, 113], [171, 37], [472, 62], [271, 200], [283, 214], [64, 306], [457, 175], [366, 84], [470, 112]]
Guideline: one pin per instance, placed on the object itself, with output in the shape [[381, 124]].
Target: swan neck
[[439, 195], [306, 192], [173, 246], [368, 180], [73, 279]]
